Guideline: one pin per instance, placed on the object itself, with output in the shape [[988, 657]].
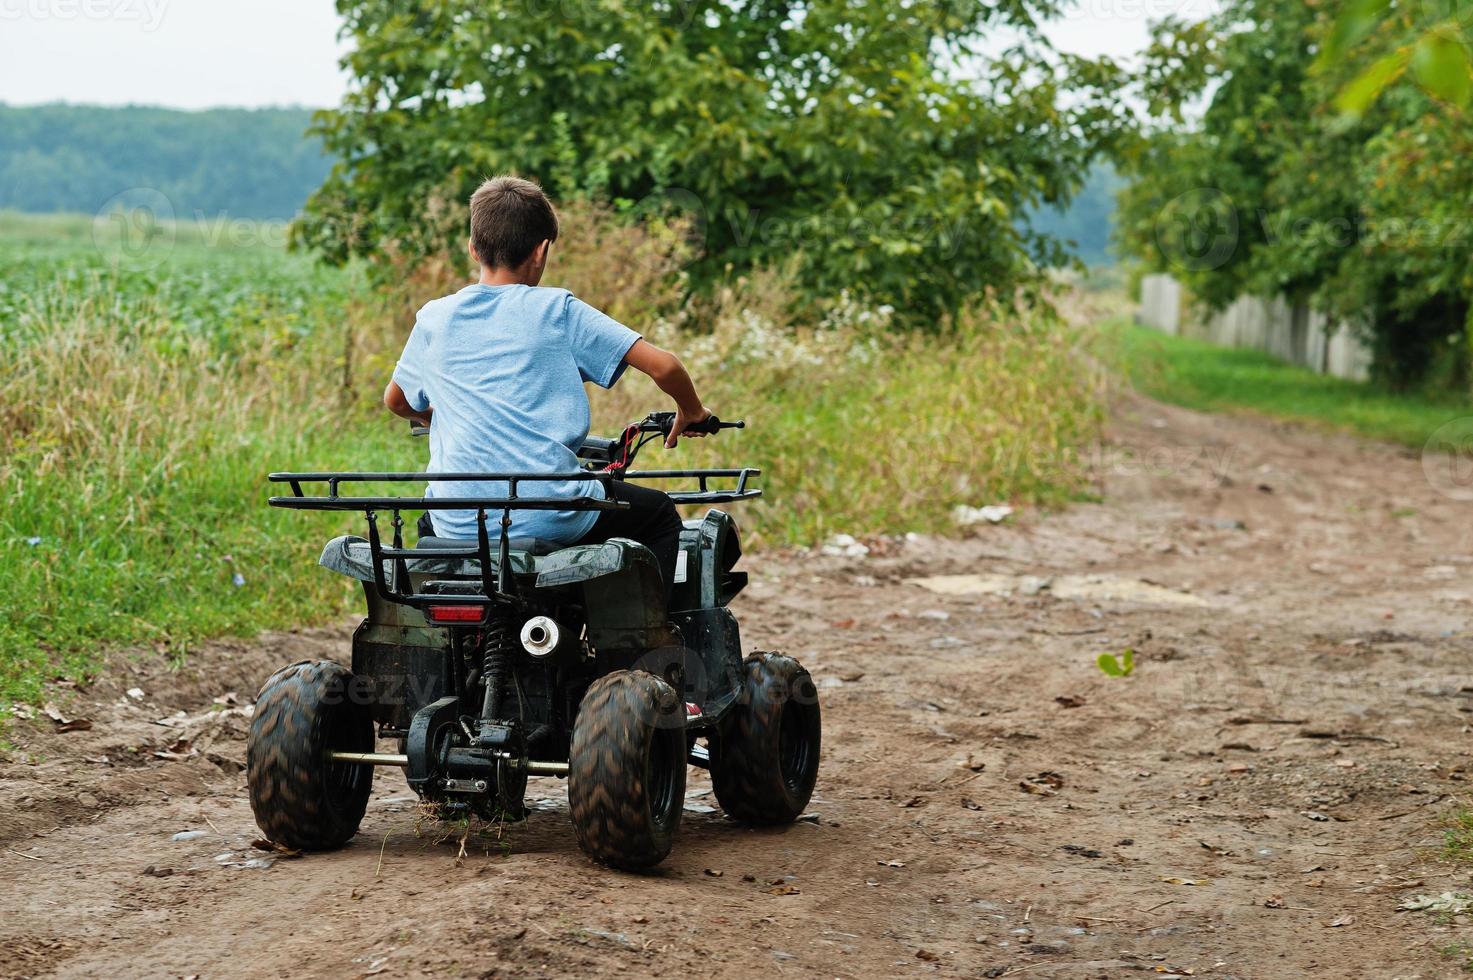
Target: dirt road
[[1254, 801]]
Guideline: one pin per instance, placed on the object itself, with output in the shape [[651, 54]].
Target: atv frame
[[485, 664]]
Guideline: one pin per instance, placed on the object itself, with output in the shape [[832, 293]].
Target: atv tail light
[[455, 614]]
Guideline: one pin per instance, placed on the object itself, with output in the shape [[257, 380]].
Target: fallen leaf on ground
[[1344, 920], [785, 890], [1457, 903], [1185, 881], [891, 864], [63, 723], [1045, 783]]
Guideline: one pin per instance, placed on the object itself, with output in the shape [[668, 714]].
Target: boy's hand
[[683, 419], [671, 377]]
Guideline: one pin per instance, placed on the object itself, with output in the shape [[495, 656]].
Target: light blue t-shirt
[[503, 367]]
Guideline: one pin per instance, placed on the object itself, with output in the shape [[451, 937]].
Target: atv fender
[[712, 546], [622, 591], [580, 563]]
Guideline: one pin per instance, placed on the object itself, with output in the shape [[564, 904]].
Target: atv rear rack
[[705, 495], [494, 590], [502, 586], [299, 500]]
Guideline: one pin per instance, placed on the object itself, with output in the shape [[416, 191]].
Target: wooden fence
[[1289, 331]]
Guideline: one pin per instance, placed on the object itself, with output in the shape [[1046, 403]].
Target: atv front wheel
[[764, 759], [626, 772], [302, 799]]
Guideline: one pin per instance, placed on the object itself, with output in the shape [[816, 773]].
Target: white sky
[[199, 53]]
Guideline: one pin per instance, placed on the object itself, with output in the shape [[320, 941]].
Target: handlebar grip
[[662, 422], [713, 424]]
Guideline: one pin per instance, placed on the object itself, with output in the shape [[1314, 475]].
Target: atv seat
[[350, 555], [533, 546]]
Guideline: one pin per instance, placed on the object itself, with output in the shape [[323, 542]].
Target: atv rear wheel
[[626, 772], [764, 759], [300, 798]]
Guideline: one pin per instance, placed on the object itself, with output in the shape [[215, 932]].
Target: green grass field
[[1216, 379], [148, 390], [154, 375]]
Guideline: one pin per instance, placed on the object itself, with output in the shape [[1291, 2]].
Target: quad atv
[[488, 660]]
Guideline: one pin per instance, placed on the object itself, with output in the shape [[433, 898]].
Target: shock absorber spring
[[499, 647]]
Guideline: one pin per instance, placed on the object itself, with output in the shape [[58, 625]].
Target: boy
[[496, 371]]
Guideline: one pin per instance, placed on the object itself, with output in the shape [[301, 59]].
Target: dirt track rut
[[1255, 801]]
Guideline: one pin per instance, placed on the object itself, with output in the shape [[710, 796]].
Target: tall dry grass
[[859, 429], [143, 406], [135, 434]]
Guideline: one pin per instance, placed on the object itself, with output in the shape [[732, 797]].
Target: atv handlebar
[[617, 455], [662, 422]]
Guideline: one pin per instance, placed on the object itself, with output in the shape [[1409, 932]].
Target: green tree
[[1389, 39], [871, 138], [1273, 190]]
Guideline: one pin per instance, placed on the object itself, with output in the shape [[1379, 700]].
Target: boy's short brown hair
[[509, 218]]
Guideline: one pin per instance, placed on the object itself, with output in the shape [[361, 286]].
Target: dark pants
[[651, 519]]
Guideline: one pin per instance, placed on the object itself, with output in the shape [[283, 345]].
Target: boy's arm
[[665, 369], [396, 402]]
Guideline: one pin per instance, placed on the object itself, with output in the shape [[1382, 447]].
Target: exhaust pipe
[[541, 636]]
